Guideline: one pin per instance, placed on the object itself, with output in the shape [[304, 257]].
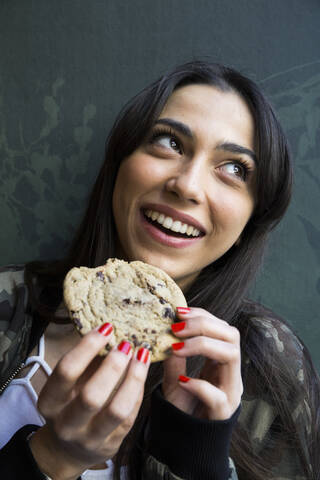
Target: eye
[[166, 139], [238, 169], [168, 142]]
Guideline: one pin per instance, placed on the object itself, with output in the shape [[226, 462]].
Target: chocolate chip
[[126, 300], [162, 300], [138, 302], [77, 322], [153, 331], [145, 330], [168, 313], [100, 275], [151, 288], [136, 342]]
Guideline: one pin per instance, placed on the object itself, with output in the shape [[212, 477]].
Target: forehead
[[207, 108]]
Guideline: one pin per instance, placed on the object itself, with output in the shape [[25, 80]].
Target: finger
[[216, 402], [172, 367], [223, 358], [58, 389], [98, 389], [200, 322], [126, 402], [218, 350]]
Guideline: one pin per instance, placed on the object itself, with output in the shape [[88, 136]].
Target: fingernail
[[183, 310], [177, 327], [124, 347], [177, 346], [183, 379], [143, 355], [105, 329]]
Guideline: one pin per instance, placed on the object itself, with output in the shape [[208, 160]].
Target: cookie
[[138, 299]]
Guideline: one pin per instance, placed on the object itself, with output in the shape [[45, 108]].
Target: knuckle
[[222, 399], [65, 370], [117, 365], [203, 343], [117, 412], [201, 324], [235, 334], [138, 375], [89, 401], [234, 353], [90, 341], [224, 322]]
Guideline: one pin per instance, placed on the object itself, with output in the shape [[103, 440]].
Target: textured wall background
[[66, 68]]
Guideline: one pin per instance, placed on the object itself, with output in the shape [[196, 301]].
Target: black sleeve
[[16, 459], [192, 448]]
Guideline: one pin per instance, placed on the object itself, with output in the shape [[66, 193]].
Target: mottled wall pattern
[[66, 69]]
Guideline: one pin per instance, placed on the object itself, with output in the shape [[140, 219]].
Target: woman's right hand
[[89, 403]]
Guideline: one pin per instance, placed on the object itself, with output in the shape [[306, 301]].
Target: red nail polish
[[183, 379], [143, 355], [124, 347], [177, 346], [177, 327], [183, 310], [105, 329]]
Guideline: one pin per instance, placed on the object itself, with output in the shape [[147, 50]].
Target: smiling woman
[[197, 172], [188, 172]]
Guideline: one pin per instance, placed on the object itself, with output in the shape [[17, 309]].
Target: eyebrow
[[235, 148], [179, 126], [225, 146]]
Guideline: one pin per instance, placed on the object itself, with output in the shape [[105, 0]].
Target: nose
[[188, 182]]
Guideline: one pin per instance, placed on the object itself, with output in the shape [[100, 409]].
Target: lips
[[175, 215]]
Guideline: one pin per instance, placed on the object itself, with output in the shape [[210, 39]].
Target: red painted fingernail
[[143, 355], [124, 347], [183, 310], [105, 329], [177, 327], [183, 379], [177, 346]]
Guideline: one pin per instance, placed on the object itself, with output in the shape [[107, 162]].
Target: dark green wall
[[66, 68]]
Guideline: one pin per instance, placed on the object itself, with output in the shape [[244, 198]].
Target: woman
[[196, 174]]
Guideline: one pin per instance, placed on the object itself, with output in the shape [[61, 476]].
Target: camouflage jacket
[[259, 417]]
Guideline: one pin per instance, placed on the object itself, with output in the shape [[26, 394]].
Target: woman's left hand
[[216, 395]]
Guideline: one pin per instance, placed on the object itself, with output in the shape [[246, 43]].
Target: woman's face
[[182, 199]]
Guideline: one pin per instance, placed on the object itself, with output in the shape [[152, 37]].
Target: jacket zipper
[[6, 383]]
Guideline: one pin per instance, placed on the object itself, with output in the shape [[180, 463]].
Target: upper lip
[[175, 215]]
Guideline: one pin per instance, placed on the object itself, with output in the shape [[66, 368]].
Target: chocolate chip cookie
[[138, 299]]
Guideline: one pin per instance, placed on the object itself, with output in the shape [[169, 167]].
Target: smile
[[168, 223]]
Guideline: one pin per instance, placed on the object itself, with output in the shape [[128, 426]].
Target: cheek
[[137, 175], [234, 212]]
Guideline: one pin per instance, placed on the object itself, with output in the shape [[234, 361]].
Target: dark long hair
[[221, 287]]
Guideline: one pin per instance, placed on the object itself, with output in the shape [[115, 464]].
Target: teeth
[[176, 226], [161, 218], [167, 222], [189, 230], [170, 224]]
